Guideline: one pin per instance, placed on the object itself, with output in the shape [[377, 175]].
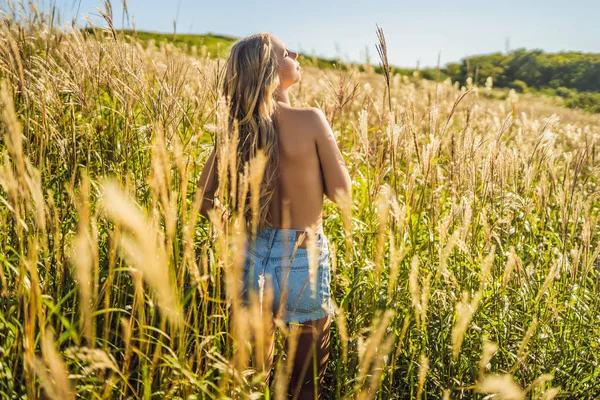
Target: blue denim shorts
[[270, 255]]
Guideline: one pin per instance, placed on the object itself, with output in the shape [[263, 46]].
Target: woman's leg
[[313, 339]]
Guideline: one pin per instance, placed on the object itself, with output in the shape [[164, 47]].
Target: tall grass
[[466, 263]]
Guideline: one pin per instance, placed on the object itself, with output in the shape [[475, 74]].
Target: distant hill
[[574, 76], [217, 45]]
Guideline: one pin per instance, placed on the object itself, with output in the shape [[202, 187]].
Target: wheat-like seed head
[[142, 247]]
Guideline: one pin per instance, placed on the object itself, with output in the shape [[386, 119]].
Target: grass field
[[466, 264]]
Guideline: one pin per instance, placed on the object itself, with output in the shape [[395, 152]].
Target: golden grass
[[465, 262]]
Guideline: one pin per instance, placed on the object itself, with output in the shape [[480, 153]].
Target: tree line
[[574, 76]]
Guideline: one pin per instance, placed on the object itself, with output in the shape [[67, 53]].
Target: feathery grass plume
[[467, 216], [469, 83], [423, 369], [465, 310], [502, 386], [396, 257], [489, 349], [513, 260], [393, 132], [241, 336], [341, 324], [82, 259], [512, 100], [425, 300], [159, 181], [521, 353], [91, 360], [550, 394], [342, 93], [372, 344], [383, 206], [81, 98], [370, 391], [107, 14], [363, 132], [415, 288], [552, 274], [486, 267], [385, 67], [141, 246], [32, 315], [429, 162], [539, 381], [384, 64], [575, 260], [56, 383], [445, 251], [261, 323], [15, 183], [489, 84]]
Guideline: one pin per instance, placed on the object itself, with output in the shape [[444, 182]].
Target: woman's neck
[[281, 95]]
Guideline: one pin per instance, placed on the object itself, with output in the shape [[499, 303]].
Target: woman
[[304, 163]]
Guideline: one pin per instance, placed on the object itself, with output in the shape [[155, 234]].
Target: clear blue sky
[[414, 30]]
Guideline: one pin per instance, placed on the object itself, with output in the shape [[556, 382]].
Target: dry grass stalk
[[502, 386], [415, 288], [489, 349], [552, 274], [513, 260], [423, 369], [383, 206], [102, 100], [465, 310], [56, 383], [142, 248], [372, 346], [83, 260], [370, 391], [340, 321]]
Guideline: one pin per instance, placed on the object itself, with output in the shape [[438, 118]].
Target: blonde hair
[[251, 80]]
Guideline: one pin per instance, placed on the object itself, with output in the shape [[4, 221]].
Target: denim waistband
[[283, 235]]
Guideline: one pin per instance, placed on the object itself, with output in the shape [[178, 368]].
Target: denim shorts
[[269, 255]]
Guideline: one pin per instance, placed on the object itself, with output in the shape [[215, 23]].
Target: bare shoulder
[[314, 118], [309, 120], [319, 124], [314, 113]]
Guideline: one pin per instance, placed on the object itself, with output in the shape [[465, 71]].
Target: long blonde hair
[[251, 80]]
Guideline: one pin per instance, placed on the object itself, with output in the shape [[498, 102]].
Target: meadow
[[465, 265]]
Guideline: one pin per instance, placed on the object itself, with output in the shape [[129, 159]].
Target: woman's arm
[[208, 182], [335, 172]]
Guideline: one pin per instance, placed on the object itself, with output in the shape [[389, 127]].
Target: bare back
[[311, 165], [301, 180]]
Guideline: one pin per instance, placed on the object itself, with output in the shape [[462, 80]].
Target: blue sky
[[415, 31]]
